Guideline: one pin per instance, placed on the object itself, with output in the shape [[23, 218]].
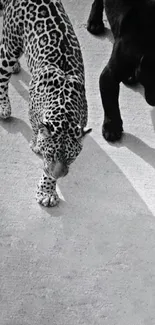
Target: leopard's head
[[60, 147]]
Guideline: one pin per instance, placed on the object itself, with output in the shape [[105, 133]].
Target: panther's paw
[[16, 68], [46, 199], [95, 28], [112, 131]]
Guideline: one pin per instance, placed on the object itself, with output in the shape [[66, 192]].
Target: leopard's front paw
[[5, 109], [34, 147], [16, 68], [46, 199]]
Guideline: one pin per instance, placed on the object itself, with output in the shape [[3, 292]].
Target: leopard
[[58, 109]]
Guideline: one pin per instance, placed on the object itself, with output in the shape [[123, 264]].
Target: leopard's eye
[[70, 160]]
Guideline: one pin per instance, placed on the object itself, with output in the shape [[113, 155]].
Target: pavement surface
[[91, 260]]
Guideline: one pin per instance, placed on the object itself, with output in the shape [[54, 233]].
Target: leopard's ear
[[85, 132], [44, 129]]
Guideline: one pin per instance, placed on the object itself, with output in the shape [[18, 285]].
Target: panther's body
[[133, 55], [58, 109]]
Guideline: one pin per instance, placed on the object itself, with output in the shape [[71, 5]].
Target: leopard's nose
[[60, 170]]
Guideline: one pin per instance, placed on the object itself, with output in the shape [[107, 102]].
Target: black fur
[[133, 56]]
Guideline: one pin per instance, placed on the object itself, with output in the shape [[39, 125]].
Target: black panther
[[133, 55]]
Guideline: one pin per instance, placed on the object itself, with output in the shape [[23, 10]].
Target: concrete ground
[[91, 260]]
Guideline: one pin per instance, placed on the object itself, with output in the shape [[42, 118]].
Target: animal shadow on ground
[[153, 117], [24, 77], [97, 188], [138, 147], [15, 125]]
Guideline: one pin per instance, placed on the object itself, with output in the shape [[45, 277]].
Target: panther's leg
[[132, 80], [46, 191], [135, 77], [7, 63], [121, 65], [95, 23]]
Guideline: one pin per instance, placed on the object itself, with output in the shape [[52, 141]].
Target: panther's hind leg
[[7, 63]]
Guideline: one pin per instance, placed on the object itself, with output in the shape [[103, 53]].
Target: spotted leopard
[[42, 31]]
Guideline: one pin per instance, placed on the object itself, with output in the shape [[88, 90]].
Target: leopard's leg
[[46, 193], [16, 68], [10, 51], [34, 143], [7, 62], [46, 190]]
